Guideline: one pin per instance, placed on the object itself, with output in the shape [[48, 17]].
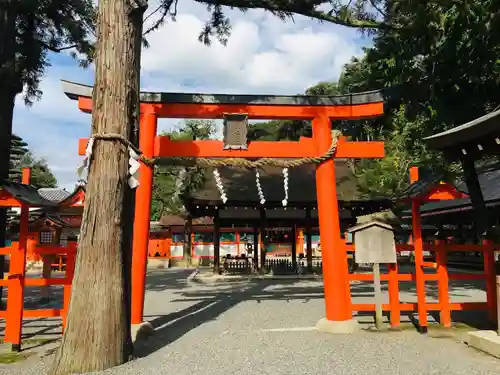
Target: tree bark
[[97, 335], [10, 86]]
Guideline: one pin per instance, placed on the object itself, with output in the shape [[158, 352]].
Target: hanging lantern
[[235, 131]]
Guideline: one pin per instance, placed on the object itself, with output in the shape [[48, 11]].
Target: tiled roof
[[54, 194], [485, 126], [26, 194], [240, 185], [421, 187], [490, 186]]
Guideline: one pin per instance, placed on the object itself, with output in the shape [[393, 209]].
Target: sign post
[[374, 244]]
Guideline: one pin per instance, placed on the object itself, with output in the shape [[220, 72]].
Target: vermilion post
[[393, 289], [334, 255], [490, 277], [17, 272], [418, 247], [413, 174], [443, 283], [70, 272], [147, 134]]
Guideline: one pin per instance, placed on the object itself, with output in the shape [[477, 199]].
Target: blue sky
[[264, 55]]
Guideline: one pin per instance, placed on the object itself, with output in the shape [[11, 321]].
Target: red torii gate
[[321, 110]]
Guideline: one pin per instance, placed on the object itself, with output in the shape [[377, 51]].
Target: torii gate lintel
[[165, 147]]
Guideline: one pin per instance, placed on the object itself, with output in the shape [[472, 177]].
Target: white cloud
[[263, 55], [55, 105], [266, 56]]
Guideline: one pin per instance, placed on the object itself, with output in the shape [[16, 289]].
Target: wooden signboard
[[374, 243]]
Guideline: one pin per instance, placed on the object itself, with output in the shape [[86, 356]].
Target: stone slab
[[337, 327], [486, 341]]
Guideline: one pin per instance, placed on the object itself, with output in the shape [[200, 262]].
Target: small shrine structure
[[24, 196], [467, 143], [298, 219]]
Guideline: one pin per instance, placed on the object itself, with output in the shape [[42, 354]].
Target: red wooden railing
[[17, 281], [442, 276]]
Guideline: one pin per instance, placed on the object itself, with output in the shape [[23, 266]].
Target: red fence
[[17, 280], [442, 276]]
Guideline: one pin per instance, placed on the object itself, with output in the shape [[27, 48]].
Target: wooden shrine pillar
[[256, 248], [216, 242], [147, 134], [294, 247], [17, 274], [300, 240], [263, 239], [460, 226], [187, 246], [308, 235], [333, 249], [418, 248], [476, 197]]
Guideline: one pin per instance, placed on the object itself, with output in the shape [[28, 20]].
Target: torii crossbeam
[[321, 110], [304, 148]]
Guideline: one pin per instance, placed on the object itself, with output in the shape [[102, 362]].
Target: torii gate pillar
[[147, 135], [338, 317]]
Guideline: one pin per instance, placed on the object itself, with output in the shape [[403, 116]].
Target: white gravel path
[[242, 328]]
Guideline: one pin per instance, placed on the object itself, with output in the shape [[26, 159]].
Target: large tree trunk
[[10, 86], [97, 334]]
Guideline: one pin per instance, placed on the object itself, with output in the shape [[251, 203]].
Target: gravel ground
[[266, 327]]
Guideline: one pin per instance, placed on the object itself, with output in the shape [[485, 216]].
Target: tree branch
[[158, 8], [55, 49], [165, 8], [305, 8], [377, 8]]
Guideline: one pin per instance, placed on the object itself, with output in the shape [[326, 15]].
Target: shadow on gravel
[[167, 279], [211, 304]]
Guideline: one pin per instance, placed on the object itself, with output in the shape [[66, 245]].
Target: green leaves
[[456, 74], [362, 14], [42, 27], [441, 62], [21, 157], [171, 184]]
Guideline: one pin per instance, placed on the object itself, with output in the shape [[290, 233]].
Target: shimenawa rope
[[226, 162]]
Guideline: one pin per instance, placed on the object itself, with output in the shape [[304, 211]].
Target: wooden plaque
[[374, 243]]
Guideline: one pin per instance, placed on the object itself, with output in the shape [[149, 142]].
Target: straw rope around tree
[[225, 162]]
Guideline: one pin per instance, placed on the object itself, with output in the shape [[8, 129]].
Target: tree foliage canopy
[[172, 183], [21, 157], [38, 28], [361, 14], [441, 60]]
